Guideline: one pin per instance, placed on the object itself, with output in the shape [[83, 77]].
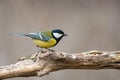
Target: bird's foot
[[43, 50], [47, 50], [40, 50], [51, 50]]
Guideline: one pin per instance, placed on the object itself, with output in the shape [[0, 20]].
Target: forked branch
[[43, 63]]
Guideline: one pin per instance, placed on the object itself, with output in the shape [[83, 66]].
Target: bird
[[45, 39]]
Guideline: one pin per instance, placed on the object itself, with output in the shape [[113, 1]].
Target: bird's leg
[[39, 49], [51, 50], [43, 50]]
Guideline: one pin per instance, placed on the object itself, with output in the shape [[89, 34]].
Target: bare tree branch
[[43, 63]]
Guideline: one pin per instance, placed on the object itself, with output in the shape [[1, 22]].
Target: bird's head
[[58, 34]]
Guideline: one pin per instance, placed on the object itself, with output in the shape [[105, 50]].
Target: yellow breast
[[45, 44]]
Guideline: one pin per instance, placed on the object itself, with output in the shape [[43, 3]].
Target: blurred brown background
[[90, 25]]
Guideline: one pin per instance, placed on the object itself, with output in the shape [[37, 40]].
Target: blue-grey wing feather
[[38, 35]]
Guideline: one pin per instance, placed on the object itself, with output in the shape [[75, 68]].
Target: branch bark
[[43, 63]]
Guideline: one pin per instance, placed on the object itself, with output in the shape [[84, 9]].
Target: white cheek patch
[[57, 35]]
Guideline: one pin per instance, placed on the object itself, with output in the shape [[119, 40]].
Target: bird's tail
[[31, 35], [18, 34]]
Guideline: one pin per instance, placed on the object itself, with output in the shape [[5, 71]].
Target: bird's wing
[[44, 36]]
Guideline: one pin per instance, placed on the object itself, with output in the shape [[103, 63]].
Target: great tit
[[45, 39]]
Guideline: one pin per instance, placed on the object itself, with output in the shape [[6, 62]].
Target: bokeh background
[[90, 25]]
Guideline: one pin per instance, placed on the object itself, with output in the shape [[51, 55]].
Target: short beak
[[65, 35]]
